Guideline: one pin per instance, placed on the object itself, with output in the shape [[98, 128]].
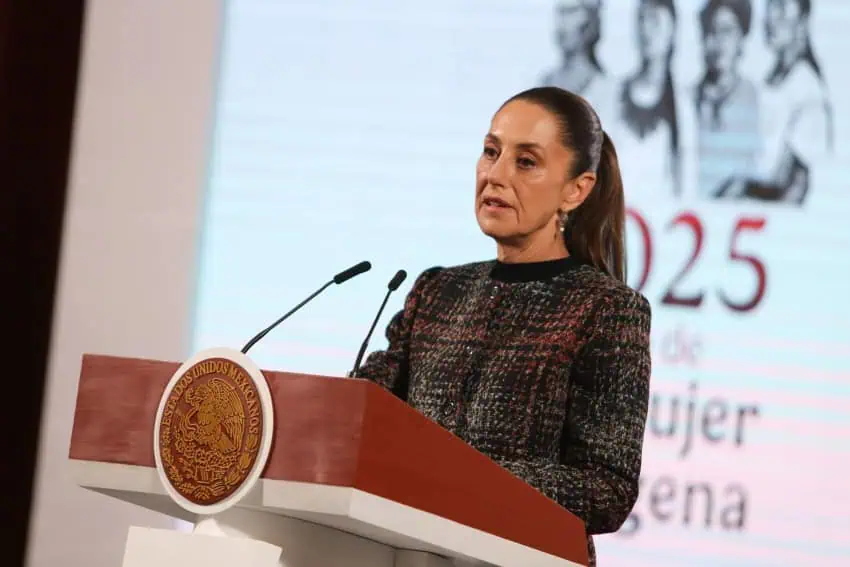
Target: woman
[[797, 129], [648, 102], [578, 31], [539, 358], [726, 101]]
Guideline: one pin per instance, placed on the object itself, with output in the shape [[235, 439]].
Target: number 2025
[[689, 220]]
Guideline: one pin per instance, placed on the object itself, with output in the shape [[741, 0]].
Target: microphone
[[394, 284], [341, 277]]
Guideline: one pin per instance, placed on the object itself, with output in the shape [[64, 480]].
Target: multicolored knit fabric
[[543, 367]]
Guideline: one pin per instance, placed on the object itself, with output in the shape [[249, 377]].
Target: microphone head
[[356, 270], [397, 280]]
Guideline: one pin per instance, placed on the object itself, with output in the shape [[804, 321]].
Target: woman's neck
[[791, 54], [719, 86], [532, 249], [648, 86], [578, 71], [653, 72]]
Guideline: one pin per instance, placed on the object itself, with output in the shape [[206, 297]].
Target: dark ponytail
[[595, 230]]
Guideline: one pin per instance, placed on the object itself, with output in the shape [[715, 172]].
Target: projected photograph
[[795, 100], [648, 97], [578, 30], [727, 101], [778, 127]]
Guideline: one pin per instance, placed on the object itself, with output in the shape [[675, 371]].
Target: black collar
[[531, 271]]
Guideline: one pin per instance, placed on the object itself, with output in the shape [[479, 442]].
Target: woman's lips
[[494, 203]]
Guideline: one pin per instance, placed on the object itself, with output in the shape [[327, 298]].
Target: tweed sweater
[[543, 367]]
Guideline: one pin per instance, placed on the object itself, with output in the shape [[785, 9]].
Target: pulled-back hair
[[595, 231], [741, 9]]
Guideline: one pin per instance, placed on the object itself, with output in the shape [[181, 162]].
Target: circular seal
[[213, 430]]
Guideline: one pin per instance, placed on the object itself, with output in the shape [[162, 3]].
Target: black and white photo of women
[[648, 105], [578, 32], [727, 102], [797, 129]]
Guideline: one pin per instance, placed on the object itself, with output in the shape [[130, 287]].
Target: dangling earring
[[562, 220]]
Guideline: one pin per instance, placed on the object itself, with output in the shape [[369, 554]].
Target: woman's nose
[[499, 172]]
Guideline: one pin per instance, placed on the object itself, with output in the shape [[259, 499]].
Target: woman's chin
[[496, 230]]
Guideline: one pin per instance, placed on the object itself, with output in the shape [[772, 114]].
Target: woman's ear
[[576, 191]]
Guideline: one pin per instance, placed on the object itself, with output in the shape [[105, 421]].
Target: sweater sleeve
[[389, 367], [602, 443]]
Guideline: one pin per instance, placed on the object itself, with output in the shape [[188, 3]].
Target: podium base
[[149, 547], [259, 539]]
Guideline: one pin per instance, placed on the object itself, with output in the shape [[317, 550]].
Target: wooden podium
[[355, 477]]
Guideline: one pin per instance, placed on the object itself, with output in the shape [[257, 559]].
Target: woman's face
[[655, 30], [522, 177], [573, 22], [783, 24], [723, 41]]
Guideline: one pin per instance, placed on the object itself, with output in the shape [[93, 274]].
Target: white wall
[[128, 263]]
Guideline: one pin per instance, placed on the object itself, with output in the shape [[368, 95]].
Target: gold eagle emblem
[[210, 431]]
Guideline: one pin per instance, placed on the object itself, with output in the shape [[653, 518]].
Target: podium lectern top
[[331, 433]]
